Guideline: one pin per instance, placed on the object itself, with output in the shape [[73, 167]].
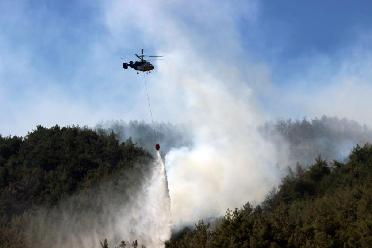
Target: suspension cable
[[149, 105]]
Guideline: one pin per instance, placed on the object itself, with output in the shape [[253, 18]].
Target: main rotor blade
[[154, 56], [140, 57]]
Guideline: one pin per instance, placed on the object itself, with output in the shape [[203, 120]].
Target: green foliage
[[303, 140], [50, 164], [327, 205]]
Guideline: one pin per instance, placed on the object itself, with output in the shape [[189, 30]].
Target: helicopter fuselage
[[143, 65]]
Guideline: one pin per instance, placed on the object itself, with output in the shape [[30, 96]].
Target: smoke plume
[[127, 208]]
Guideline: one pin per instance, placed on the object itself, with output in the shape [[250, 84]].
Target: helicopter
[[141, 65]]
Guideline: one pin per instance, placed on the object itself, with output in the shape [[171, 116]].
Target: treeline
[[296, 140], [51, 164], [303, 140], [326, 205], [146, 135]]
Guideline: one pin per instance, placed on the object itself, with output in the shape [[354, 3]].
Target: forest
[[323, 204], [50, 164]]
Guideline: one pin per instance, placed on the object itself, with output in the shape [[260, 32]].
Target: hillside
[[326, 205], [89, 176], [49, 165]]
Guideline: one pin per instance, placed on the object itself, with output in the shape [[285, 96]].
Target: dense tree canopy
[[326, 205], [303, 140], [52, 163]]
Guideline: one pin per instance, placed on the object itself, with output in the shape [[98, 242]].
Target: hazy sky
[[60, 61]]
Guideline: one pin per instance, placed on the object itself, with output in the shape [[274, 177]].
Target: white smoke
[[117, 210], [229, 162], [206, 84]]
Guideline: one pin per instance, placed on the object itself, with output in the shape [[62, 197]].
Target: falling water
[[153, 217], [144, 216], [159, 199], [156, 218]]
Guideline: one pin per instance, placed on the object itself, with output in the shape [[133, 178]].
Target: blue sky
[[300, 28], [60, 62]]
